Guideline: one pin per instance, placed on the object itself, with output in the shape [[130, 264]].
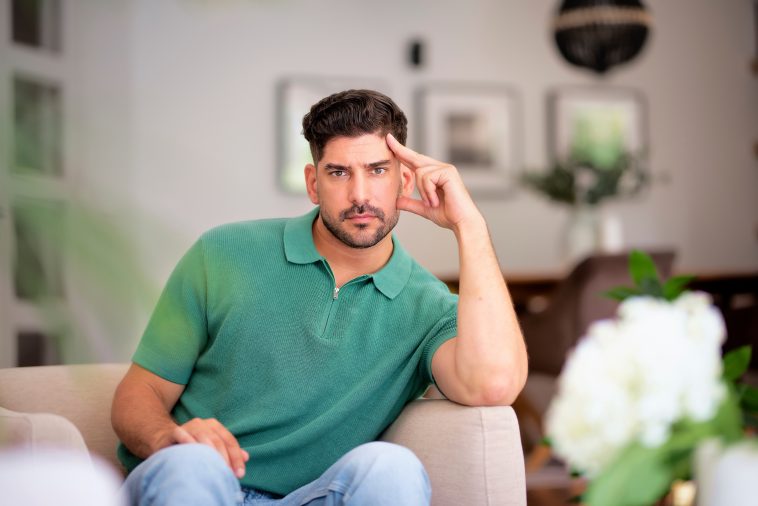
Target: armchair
[[473, 455], [577, 302]]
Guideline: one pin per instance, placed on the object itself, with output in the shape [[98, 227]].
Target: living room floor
[[548, 497], [551, 485]]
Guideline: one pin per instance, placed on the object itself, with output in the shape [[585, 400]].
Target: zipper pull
[[336, 292]]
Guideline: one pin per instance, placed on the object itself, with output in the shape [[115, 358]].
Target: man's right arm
[[141, 418]]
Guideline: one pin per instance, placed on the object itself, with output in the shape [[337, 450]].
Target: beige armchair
[[473, 455]]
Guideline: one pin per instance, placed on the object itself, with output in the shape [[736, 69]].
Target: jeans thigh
[[375, 473]]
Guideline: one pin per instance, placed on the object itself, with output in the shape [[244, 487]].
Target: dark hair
[[349, 114]]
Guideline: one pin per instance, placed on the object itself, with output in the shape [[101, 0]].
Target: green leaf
[[642, 267], [645, 276], [674, 286], [728, 420], [621, 293], [637, 477], [652, 287], [736, 363]]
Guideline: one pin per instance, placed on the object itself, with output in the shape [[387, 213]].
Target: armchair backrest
[[577, 302]]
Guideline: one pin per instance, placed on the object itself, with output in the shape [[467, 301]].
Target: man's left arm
[[486, 363]]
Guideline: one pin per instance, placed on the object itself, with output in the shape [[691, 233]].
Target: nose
[[359, 188]]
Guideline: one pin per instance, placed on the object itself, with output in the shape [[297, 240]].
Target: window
[[37, 226], [37, 23], [37, 128]]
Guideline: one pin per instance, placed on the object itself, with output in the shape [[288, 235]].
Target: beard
[[363, 238]]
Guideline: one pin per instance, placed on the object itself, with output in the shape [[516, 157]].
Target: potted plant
[[596, 170], [641, 392]]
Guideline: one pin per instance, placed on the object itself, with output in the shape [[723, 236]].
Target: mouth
[[361, 218]]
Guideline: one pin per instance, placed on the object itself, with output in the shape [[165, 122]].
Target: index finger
[[406, 155]]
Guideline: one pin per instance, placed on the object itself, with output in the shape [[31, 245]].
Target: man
[[281, 349]]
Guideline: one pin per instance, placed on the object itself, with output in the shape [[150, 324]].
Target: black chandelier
[[598, 34]]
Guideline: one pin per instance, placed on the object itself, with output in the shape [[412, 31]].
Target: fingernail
[[240, 472]]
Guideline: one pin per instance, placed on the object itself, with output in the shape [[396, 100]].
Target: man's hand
[[444, 198], [212, 433], [141, 417]]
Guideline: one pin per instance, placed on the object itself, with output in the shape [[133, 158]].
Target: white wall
[[171, 116], [98, 161], [205, 146]]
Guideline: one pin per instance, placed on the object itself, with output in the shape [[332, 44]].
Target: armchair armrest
[[473, 455], [39, 431]]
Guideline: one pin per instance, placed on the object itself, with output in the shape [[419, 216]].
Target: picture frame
[[608, 118], [475, 127], [295, 96]]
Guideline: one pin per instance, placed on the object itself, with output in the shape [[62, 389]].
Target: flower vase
[[581, 236], [726, 474]]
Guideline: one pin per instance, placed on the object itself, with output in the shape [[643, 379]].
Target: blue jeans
[[373, 474]]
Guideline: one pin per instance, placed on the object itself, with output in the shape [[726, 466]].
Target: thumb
[[412, 205]]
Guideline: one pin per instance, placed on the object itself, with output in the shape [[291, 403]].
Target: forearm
[[141, 420], [490, 354]]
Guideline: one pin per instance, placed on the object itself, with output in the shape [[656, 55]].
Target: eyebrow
[[372, 165]]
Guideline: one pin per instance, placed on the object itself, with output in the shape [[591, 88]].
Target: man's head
[[352, 113], [355, 177]]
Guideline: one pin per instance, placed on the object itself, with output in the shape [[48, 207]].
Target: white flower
[[631, 378]]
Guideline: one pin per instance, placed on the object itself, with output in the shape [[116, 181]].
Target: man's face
[[357, 183]]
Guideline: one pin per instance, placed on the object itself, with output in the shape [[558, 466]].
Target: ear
[[408, 181], [311, 184]]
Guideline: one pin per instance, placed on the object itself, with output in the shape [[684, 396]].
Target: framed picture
[[295, 96], [596, 124], [475, 128]]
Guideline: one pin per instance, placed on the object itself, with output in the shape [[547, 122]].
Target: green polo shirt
[[251, 323]]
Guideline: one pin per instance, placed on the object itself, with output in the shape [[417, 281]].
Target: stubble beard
[[360, 240]]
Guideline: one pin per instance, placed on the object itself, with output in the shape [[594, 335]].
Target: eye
[[337, 173], [378, 171]]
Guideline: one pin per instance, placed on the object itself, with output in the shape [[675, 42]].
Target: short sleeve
[[446, 328], [177, 331]]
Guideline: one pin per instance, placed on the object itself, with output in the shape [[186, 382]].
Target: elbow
[[503, 388], [501, 392]]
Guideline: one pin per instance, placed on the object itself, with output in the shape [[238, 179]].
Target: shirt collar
[[392, 278], [299, 249], [298, 239]]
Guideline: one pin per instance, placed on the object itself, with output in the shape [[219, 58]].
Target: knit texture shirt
[[299, 372]]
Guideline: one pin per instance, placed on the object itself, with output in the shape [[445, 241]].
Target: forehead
[[363, 149]]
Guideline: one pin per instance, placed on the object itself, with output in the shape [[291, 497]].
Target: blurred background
[[129, 127]]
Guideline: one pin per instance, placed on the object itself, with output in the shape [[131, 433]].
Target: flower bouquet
[[597, 168], [577, 181], [641, 391]]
